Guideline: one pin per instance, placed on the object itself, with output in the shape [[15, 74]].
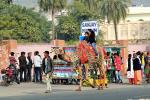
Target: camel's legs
[[87, 76], [86, 71], [101, 79], [80, 79]]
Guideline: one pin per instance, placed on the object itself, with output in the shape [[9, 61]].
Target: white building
[[135, 27], [138, 13]]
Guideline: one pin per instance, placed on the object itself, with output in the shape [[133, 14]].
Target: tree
[[22, 24], [114, 11], [8, 1], [81, 12], [52, 6], [92, 5], [69, 26]]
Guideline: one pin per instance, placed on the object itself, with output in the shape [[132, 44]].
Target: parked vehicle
[[11, 74]]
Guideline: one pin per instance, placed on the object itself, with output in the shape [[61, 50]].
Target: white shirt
[[139, 59], [37, 61], [46, 62], [27, 61]]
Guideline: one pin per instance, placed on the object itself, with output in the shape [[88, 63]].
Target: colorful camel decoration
[[85, 55]]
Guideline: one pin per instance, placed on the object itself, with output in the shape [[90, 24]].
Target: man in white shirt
[[37, 67]]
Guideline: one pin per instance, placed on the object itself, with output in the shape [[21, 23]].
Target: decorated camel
[[85, 55]]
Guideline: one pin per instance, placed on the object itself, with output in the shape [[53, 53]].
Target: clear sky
[[139, 2], [26, 3]]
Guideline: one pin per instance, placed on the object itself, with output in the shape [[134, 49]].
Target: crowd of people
[[113, 65], [138, 67], [41, 67]]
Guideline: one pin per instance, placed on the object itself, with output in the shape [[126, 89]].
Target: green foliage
[[8, 1], [114, 10], [56, 5], [100, 38], [81, 12], [68, 28], [22, 24], [91, 5], [52, 6]]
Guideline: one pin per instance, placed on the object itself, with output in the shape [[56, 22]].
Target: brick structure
[[12, 45], [124, 54], [60, 43], [6, 46], [3, 55]]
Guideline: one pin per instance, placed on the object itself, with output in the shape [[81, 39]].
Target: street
[[31, 91]]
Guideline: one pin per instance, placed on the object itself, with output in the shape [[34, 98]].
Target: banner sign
[[89, 25]]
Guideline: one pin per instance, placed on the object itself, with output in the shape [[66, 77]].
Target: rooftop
[[139, 10]]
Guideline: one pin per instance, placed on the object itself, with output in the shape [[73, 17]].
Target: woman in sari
[[137, 69], [147, 67]]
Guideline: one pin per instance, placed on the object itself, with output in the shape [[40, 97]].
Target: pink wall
[[42, 47], [138, 47], [33, 47]]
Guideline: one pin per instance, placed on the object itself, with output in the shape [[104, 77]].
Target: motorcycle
[[10, 75]]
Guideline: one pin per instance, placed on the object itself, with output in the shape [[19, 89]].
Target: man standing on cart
[[48, 70]]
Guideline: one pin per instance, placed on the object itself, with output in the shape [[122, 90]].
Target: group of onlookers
[[113, 65], [40, 67], [138, 67]]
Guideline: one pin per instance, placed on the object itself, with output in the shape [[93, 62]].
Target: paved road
[[30, 91]]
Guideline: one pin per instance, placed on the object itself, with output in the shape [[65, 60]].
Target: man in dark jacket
[[137, 63], [23, 66], [48, 70]]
